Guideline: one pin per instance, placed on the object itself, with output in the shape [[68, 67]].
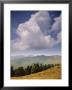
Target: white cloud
[[31, 33], [59, 37], [57, 25]]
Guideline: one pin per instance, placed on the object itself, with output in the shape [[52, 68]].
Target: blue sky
[[35, 32]]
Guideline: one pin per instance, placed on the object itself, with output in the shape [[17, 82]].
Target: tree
[[20, 71], [28, 70], [12, 71], [35, 68]]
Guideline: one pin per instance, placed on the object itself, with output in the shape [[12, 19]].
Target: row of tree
[[34, 68]]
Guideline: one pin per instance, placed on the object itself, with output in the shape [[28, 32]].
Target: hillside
[[52, 73]]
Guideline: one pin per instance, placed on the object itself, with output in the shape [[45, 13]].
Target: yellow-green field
[[52, 73]]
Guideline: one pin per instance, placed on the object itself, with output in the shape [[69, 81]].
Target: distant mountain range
[[17, 61], [22, 56]]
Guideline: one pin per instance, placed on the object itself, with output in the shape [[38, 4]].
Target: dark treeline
[[34, 68]]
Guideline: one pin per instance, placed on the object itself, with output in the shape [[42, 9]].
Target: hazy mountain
[[24, 61]]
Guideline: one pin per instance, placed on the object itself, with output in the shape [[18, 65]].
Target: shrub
[[12, 71], [19, 72], [34, 68], [28, 70]]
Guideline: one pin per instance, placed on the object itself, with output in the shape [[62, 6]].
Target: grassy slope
[[52, 73]]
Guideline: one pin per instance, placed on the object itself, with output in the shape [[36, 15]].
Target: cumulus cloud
[[33, 34], [57, 25]]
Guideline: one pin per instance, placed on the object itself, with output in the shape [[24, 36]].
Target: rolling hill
[[52, 73]]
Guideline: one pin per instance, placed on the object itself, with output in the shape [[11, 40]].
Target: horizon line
[[37, 55]]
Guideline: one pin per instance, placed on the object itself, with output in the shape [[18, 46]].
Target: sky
[[35, 33]]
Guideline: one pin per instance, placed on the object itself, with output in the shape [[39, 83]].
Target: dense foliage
[[34, 68]]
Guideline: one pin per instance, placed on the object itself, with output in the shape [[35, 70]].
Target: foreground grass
[[52, 73]]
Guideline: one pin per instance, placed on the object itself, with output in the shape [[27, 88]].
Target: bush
[[19, 72], [34, 68], [12, 71], [28, 70]]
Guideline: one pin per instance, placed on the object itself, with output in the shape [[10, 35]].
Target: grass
[[52, 73]]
